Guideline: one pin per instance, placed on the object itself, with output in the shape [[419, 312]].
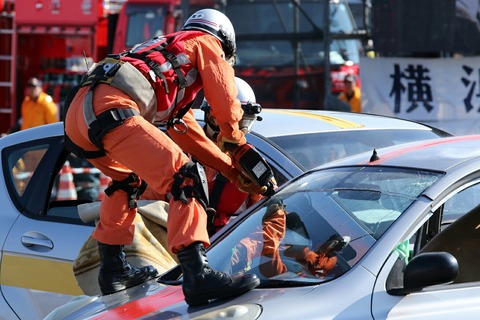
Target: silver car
[[399, 224], [294, 141], [40, 229]]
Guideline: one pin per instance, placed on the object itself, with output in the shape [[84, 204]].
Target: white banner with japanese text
[[444, 92]]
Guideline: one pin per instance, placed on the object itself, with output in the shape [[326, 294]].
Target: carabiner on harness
[[178, 125]]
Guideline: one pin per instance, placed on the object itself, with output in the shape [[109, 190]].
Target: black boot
[[116, 273], [201, 284]]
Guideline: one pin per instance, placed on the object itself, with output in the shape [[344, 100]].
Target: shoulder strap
[[182, 81]]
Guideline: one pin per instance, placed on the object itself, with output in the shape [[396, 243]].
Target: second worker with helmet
[[110, 121]]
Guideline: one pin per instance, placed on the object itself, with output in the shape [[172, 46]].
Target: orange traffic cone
[[66, 186]]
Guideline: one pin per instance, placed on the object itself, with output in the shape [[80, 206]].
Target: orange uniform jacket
[[138, 146], [38, 112]]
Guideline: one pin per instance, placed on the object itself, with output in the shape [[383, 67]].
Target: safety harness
[[122, 76], [133, 192], [155, 67], [125, 77]]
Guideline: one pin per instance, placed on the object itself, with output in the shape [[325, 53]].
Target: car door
[[456, 220], [41, 243]]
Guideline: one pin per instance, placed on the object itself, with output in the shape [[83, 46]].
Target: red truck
[[280, 44], [281, 49], [56, 40]]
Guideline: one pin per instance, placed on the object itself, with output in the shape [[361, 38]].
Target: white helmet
[[251, 109], [217, 24]]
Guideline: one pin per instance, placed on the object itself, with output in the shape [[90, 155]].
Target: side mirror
[[428, 269]]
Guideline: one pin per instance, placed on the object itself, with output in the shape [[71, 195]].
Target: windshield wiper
[[172, 278], [269, 283]]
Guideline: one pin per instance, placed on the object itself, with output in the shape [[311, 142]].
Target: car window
[[461, 239], [452, 228], [461, 203], [20, 166], [314, 149], [321, 212], [279, 16], [76, 183], [46, 182], [78, 179]]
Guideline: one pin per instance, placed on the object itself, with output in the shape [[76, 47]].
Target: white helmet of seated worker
[[251, 109], [217, 24]]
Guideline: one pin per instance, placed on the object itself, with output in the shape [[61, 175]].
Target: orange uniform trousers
[[140, 147]]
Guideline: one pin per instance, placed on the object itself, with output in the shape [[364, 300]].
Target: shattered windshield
[[319, 226], [314, 149], [268, 30]]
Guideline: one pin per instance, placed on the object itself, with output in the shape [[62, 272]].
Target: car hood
[[157, 301]]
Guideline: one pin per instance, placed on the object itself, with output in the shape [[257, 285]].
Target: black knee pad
[[199, 190]]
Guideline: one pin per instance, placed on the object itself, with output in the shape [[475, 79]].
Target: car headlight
[[235, 312]]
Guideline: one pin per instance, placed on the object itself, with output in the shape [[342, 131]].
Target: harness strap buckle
[[107, 121], [178, 125], [133, 192]]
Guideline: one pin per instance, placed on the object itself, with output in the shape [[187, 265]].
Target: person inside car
[[225, 200]]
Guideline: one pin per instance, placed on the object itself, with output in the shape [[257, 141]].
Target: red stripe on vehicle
[[144, 306], [393, 154]]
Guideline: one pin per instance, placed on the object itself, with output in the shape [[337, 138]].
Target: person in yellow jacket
[[110, 122], [351, 93], [38, 108]]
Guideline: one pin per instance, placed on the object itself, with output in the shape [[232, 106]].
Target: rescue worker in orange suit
[[109, 121], [225, 198], [38, 108], [351, 93]]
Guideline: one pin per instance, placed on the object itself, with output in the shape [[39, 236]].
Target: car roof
[[441, 154], [43, 131], [283, 122], [278, 122]]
